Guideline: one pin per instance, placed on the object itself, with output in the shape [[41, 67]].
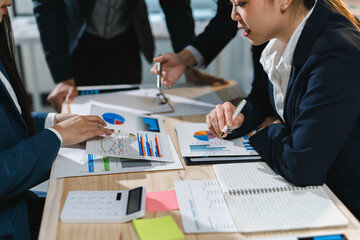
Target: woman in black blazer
[[307, 108]]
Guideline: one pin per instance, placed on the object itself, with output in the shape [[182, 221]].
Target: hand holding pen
[[238, 109], [221, 115], [172, 68]]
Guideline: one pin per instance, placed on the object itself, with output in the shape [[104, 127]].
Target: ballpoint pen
[[159, 75], [238, 109]]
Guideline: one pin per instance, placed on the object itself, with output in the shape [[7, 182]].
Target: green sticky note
[[161, 228]]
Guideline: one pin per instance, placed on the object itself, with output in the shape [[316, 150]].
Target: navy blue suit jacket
[[24, 162], [217, 34], [320, 139]]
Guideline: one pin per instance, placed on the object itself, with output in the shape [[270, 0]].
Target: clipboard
[[144, 100], [190, 161]]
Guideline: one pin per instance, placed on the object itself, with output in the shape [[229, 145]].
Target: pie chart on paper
[[203, 135], [113, 118]]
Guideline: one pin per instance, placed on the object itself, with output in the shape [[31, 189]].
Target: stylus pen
[[159, 75], [238, 109]]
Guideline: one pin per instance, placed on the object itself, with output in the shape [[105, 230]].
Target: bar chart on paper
[[197, 141], [138, 145], [148, 147], [206, 148]]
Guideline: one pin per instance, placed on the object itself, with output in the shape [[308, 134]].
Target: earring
[[282, 7]]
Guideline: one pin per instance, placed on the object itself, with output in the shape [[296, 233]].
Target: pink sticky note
[[161, 201]]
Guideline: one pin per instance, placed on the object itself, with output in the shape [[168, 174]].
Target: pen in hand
[[159, 75], [238, 109]]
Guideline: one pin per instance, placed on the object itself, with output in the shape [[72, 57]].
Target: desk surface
[[51, 228]]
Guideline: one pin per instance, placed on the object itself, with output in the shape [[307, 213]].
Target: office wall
[[233, 63]]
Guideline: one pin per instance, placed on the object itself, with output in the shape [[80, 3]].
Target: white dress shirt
[[200, 62], [49, 121], [277, 59]]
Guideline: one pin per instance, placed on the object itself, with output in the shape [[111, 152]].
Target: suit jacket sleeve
[[179, 21], [51, 21], [256, 109], [327, 113], [27, 164], [39, 120], [217, 34]]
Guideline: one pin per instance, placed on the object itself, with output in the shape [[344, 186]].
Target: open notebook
[[261, 200]]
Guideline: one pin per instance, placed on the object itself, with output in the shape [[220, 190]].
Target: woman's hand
[[60, 117], [222, 115], [63, 92], [76, 129]]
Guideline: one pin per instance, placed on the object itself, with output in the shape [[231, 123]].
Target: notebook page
[[284, 210], [248, 176]]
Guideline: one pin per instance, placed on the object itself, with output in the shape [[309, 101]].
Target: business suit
[[218, 33], [62, 25], [179, 21], [320, 139], [24, 162]]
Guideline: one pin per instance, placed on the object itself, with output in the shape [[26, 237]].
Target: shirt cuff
[[198, 56], [49, 120], [57, 134], [250, 134]]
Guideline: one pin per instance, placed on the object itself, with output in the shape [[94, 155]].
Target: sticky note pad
[[161, 228], [161, 201]]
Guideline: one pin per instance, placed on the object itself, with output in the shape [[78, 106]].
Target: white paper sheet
[[196, 140], [202, 206], [144, 100], [136, 136], [73, 162], [184, 100]]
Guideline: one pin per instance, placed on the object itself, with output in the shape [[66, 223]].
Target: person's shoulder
[[340, 35], [339, 39]]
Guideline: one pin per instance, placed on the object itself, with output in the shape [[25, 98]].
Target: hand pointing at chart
[[223, 115]]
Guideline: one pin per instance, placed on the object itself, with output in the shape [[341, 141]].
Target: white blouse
[[277, 59]]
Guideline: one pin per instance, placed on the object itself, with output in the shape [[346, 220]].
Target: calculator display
[[134, 200]]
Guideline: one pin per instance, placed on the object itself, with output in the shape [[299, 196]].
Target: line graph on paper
[[118, 144], [137, 145], [115, 144]]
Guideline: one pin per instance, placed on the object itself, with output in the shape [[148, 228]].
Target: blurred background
[[234, 63]]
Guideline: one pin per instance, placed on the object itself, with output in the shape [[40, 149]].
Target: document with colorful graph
[[135, 136], [196, 140]]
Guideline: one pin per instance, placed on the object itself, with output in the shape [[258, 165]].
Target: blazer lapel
[[308, 37], [12, 104]]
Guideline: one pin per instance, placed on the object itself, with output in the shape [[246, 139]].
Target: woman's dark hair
[[7, 56]]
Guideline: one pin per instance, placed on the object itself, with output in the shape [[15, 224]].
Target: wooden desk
[[51, 228]]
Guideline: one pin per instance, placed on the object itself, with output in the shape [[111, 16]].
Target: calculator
[[104, 206]]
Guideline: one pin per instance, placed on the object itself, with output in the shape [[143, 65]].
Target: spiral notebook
[[261, 200]]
